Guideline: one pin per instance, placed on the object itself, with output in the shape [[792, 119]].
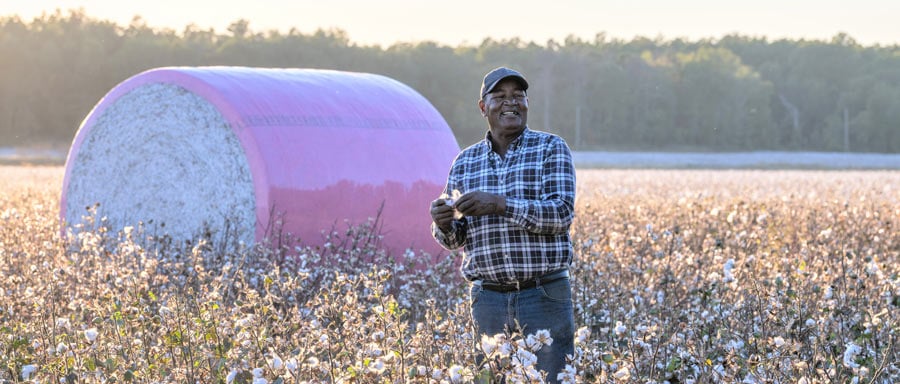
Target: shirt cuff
[[448, 237]]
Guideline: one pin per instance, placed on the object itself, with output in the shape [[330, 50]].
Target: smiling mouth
[[509, 113]]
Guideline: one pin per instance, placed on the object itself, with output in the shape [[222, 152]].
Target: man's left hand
[[479, 203]]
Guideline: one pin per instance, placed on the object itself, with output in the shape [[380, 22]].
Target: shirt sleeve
[[554, 211], [452, 239], [456, 236]]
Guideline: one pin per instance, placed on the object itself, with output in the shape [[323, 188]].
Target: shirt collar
[[512, 146]]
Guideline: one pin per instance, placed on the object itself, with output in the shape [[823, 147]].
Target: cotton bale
[[245, 152]]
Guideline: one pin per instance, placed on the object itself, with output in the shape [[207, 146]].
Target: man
[[513, 218]]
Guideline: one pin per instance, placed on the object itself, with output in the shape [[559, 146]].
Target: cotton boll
[[90, 334], [28, 370], [778, 341], [275, 362], [620, 328], [291, 364], [622, 374], [850, 354]]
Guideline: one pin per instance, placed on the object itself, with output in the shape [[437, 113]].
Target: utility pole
[[578, 124], [846, 131]]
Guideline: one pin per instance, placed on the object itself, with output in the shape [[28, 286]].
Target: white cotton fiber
[[167, 157]]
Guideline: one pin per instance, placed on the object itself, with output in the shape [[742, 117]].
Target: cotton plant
[[512, 355], [806, 293]]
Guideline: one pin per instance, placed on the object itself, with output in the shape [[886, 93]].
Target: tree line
[[734, 93]]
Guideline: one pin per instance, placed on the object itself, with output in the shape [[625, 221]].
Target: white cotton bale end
[[244, 152]]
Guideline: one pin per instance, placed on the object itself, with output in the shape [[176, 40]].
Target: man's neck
[[500, 143]]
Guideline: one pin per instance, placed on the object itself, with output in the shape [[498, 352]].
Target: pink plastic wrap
[[325, 148]]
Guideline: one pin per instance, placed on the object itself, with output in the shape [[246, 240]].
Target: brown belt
[[527, 284]]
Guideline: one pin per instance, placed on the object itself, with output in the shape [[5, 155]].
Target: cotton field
[[680, 277]]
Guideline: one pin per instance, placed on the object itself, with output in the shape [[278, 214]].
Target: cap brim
[[520, 79]]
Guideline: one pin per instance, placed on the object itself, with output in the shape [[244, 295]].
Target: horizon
[[390, 22]]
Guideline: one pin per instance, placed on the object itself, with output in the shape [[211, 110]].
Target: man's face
[[506, 108]]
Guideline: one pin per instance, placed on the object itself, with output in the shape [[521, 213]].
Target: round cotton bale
[[243, 153]]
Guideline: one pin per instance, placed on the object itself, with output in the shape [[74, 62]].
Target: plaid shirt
[[531, 238]]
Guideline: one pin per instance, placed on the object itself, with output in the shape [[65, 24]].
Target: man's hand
[[442, 214], [479, 203]]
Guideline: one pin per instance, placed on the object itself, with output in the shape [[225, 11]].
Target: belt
[[527, 284]]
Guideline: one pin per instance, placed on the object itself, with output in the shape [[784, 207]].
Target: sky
[[468, 22]]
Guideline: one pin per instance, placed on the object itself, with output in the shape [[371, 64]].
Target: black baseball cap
[[496, 75]]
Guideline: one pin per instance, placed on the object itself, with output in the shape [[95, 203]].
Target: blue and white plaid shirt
[[531, 238]]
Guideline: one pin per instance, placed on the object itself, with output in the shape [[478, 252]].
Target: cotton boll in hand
[[451, 200], [452, 197]]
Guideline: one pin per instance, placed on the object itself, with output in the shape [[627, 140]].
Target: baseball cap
[[496, 75]]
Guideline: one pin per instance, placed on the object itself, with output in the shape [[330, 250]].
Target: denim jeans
[[548, 306]]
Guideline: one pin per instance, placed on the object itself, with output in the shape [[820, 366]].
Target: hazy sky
[[455, 22]]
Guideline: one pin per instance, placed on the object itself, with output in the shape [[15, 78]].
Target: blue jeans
[[548, 306]]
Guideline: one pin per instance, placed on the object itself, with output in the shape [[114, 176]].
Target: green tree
[[723, 104], [735, 93]]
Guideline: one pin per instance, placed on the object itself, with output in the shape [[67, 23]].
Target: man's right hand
[[442, 214]]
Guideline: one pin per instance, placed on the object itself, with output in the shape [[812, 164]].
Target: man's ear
[[481, 107]]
